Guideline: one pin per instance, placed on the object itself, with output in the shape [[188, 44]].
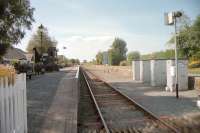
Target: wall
[[145, 73], [136, 70], [158, 73]]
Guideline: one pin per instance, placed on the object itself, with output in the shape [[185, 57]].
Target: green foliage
[[194, 64], [62, 60], [188, 39], [99, 58], [134, 55], [50, 67], [124, 63], [3, 48], [85, 61], [167, 54], [74, 61], [117, 53], [15, 17], [35, 42]]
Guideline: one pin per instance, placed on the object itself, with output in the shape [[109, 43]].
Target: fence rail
[[13, 108]]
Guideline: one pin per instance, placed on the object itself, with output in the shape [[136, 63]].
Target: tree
[[84, 61], [188, 39], [167, 54], [99, 58], [15, 17], [62, 60], [35, 42], [74, 61], [117, 53], [134, 55]]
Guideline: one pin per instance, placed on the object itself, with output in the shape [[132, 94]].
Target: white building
[[145, 71], [105, 58], [136, 70], [182, 75], [158, 73]]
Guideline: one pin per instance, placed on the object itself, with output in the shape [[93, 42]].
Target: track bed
[[118, 113]]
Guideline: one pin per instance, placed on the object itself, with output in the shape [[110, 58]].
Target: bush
[[124, 63], [194, 64], [50, 67], [23, 68], [3, 48], [39, 67]]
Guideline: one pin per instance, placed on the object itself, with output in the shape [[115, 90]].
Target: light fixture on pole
[[171, 19], [41, 30]]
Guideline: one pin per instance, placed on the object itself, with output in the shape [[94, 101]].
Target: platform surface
[[58, 110], [62, 115]]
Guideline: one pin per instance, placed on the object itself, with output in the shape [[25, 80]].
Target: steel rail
[[137, 104], [95, 102]]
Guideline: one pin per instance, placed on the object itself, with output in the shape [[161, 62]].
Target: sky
[[88, 26]]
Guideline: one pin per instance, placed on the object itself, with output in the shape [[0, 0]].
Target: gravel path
[[40, 94]]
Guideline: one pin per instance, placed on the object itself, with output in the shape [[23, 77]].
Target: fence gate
[[13, 108]]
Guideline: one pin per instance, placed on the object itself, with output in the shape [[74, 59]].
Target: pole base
[[177, 96]]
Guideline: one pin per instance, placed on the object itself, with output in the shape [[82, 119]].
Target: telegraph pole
[[176, 57], [171, 19]]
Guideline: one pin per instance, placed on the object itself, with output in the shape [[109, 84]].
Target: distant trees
[[85, 61], [64, 61], [47, 42], [15, 17], [134, 55], [117, 53], [99, 58], [167, 54], [74, 61]]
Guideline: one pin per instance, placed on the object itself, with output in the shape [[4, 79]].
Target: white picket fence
[[13, 107]]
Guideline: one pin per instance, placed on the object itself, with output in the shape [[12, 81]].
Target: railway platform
[[62, 114]]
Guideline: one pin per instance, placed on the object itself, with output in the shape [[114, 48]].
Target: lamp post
[[41, 30], [171, 19]]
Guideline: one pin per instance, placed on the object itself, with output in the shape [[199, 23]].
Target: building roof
[[14, 54]]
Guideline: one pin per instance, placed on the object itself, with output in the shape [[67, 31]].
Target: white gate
[[13, 108]]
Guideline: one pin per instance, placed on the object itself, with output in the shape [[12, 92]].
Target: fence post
[[13, 107], [2, 107]]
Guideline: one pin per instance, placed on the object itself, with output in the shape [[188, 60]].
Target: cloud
[[85, 47]]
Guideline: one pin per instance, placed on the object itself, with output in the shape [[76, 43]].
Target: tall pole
[[176, 58], [41, 44], [41, 47], [34, 63]]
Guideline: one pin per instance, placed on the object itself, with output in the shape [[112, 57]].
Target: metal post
[[41, 44], [176, 58], [34, 63], [41, 48]]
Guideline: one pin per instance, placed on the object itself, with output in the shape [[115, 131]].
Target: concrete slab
[[62, 114]]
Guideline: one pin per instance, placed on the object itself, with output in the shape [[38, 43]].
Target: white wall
[[136, 70], [158, 73], [182, 75], [145, 73]]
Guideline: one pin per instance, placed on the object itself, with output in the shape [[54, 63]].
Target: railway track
[[88, 118], [117, 113]]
